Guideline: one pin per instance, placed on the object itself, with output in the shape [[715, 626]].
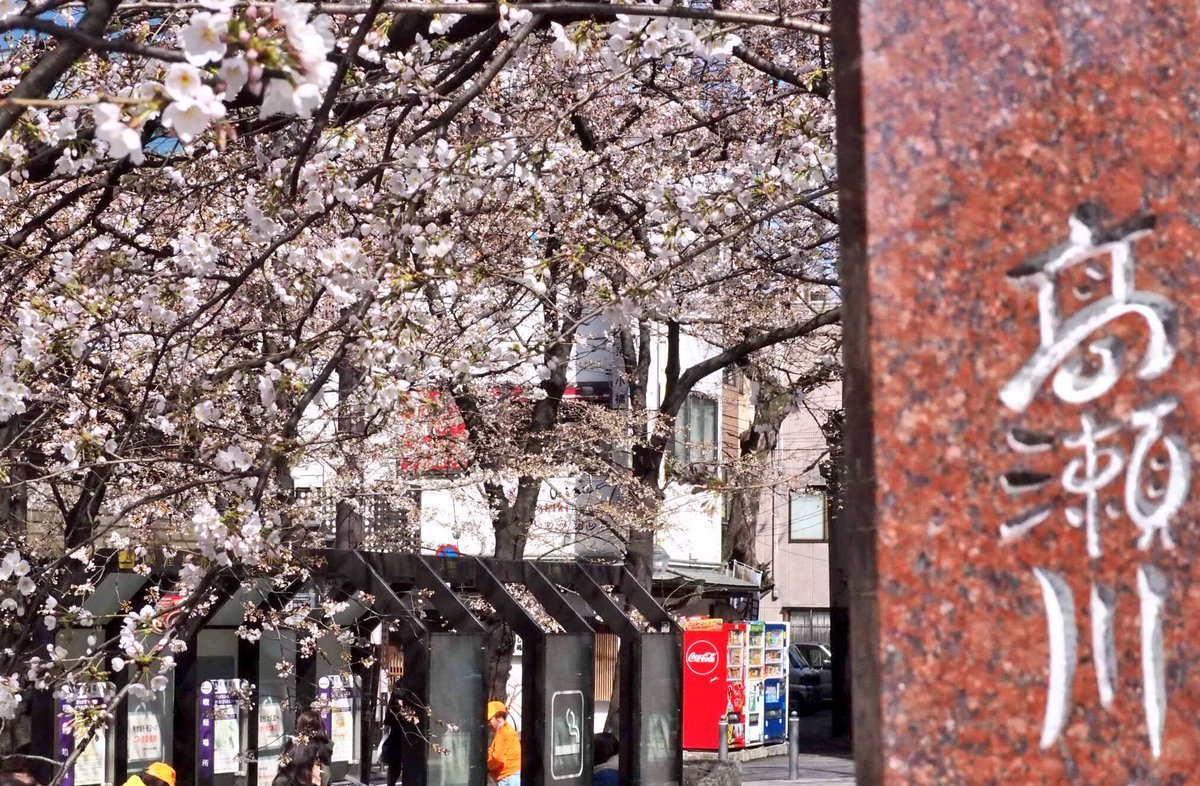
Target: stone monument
[[1020, 193]]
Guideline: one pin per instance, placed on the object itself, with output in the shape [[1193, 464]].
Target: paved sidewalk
[[815, 770]]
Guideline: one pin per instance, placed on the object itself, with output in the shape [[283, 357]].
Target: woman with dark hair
[[310, 723], [303, 764], [310, 730]]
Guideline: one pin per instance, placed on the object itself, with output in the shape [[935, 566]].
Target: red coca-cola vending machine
[[714, 683]]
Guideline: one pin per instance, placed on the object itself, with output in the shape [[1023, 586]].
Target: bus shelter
[[444, 674], [223, 715], [557, 669], [651, 693]]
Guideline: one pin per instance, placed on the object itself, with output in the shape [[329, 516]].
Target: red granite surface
[[986, 124]]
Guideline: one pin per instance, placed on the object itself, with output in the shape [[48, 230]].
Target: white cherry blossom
[[234, 72], [111, 128], [202, 37], [183, 81], [189, 117], [9, 565]]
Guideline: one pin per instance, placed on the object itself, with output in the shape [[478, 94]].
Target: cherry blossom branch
[[818, 87], [42, 77], [485, 79], [678, 388], [89, 40], [331, 93], [551, 11]]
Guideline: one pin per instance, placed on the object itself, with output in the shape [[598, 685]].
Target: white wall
[[692, 525], [691, 519], [460, 516]]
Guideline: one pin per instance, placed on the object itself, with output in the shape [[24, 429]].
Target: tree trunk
[[348, 521], [839, 584], [501, 642], [756, 446], [511, 521], [14, 500]]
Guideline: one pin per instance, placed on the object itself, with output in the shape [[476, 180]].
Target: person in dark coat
[[605, 750], [400, 722]]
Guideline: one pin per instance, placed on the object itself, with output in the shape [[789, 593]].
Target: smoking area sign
[[566, 723]]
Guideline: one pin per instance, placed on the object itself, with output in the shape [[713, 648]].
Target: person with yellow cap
[[504, 754], [157, 774]]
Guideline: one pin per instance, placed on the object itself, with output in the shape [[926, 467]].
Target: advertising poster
[[220, 728], [227, 732], [270, 724], [268, 766], [341, 719], [145, 736], [90, 768]]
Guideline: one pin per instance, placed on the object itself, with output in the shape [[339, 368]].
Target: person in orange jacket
[[157, 774], [504, 754]]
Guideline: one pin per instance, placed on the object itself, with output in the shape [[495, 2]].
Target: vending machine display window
[[775, 682], [755, 689]]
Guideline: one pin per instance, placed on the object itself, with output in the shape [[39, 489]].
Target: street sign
[[447, 550]]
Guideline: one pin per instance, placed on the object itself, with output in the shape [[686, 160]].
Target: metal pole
[[794, 746], [723, 739]]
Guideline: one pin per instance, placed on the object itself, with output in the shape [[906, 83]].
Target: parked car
[[804, 684], [818, 657]]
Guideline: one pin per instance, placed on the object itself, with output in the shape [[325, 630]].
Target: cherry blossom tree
[[240, 237]]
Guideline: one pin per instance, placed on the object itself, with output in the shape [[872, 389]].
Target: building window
[[807, 514], [696, 431], [809, 626]]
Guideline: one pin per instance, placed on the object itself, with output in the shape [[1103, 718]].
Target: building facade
[[793, 522]]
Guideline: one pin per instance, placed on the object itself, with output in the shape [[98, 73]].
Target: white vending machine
[[755, 687]]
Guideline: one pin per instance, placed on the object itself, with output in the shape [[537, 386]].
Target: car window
[[816, 656], [798, 661]]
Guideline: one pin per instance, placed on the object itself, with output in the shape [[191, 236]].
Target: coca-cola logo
[[701, 658]]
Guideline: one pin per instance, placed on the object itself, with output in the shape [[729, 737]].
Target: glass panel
[[696, 430], [708, 430], [660, 687], [277, 708], [151, 726], [679, 446], [807, 514], [456, 709]]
